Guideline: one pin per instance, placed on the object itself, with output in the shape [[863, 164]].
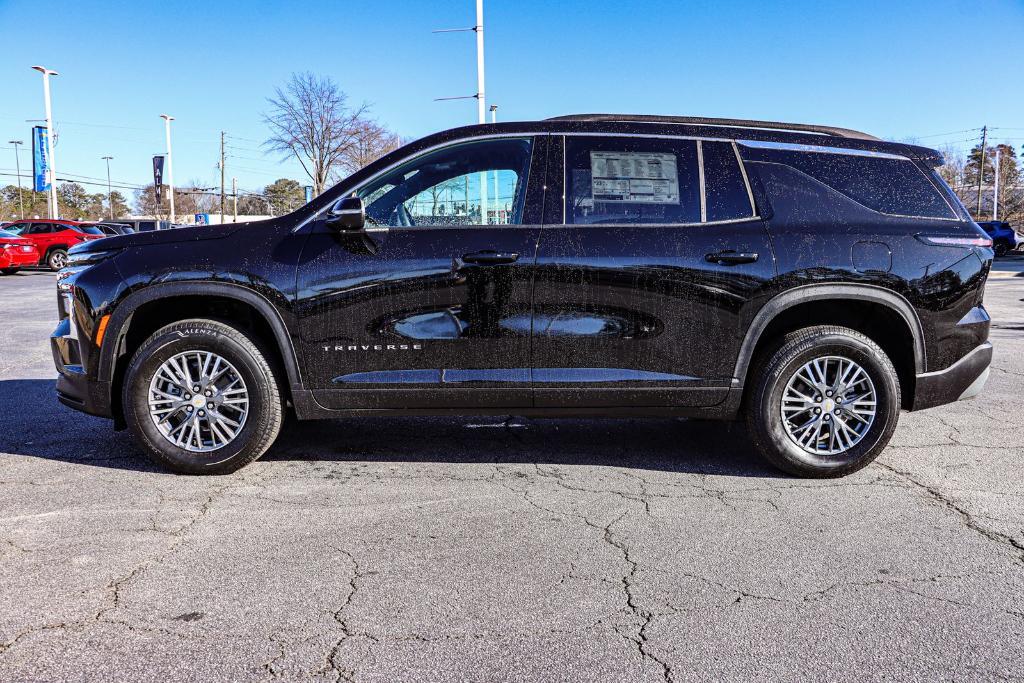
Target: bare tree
[[311, 119], [370, 142]]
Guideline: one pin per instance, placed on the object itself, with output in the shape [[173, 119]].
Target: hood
[[171, 236]]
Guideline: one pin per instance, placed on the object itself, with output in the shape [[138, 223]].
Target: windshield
[[89, 229]]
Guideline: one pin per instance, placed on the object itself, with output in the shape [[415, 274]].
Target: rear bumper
[[75, 389], [18, 259], [962, 380]]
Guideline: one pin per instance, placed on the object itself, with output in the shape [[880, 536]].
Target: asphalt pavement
[[492, 549]]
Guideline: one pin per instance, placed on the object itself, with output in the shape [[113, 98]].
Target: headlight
[[88, 258]]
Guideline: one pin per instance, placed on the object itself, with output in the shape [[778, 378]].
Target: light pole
[[110, 194], [497, 204], [52, 166], [17, 168], [170, 164]]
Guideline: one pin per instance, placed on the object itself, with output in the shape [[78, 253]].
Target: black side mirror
[[348, 214]]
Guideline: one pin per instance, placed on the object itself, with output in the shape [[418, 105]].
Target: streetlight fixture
[[170, 164], [52, 166], [110, 194], [17, 167]]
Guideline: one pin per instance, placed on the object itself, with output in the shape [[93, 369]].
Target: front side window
[[18, 228], [473, 183], [40, 229], [631, 181]]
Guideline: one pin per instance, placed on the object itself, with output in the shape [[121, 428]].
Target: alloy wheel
[[829, 405], [198, 401]]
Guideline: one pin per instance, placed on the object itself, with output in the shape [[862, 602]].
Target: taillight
[[951, 241]]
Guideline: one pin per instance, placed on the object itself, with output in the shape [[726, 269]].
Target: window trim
[[754, 215]]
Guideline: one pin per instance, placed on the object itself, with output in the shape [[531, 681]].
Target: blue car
[[1004, 239]]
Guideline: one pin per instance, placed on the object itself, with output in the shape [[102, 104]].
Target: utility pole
[[52, 166], [110, 194], [234, 198], [170, 164], [222, 177], [981, 167], [481, 105], [995, 192], [17, 168]]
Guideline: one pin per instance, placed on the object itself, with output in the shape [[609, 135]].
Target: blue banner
[[40, 160]]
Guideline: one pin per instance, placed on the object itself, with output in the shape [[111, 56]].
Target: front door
[[429, 307], [643, 271]]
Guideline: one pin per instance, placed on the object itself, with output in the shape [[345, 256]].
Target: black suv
[[813, 281]]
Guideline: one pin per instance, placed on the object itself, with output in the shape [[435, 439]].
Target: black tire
[[772, 374], [1002, 247], [265, 409], [9, 271], [57, 259]]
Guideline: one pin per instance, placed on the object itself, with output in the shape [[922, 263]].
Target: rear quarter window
[[884, 184]]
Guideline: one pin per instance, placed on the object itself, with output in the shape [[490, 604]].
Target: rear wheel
[[825, 403], [57, 259], [200, 398]]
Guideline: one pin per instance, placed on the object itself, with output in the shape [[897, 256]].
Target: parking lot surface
[[508, 549]]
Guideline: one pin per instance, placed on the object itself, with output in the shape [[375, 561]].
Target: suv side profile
[[53, 238], [813, 281]]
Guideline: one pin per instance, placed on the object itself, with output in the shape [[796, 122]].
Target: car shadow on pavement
[[33, 423]]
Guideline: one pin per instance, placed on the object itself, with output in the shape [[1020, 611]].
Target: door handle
[[490, 258], [729, 257]]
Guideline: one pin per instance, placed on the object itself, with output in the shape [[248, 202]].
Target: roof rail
[[729, 123]]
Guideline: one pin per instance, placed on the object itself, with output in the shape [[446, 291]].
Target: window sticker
[[643, 177]]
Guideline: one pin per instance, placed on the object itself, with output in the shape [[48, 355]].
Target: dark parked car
[[145, 225], [113, 228], [1004, 239], [813, 281]]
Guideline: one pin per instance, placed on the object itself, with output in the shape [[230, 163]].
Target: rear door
[[642, 272], [430, 306]]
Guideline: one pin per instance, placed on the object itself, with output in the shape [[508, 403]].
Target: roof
[[730, 123]]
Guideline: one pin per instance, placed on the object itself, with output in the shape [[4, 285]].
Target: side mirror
[[348, 214]]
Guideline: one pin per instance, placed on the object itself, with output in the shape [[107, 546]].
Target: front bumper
[[962, 380], [75, 388]]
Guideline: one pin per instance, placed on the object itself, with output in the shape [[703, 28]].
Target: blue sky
[[904, 69]]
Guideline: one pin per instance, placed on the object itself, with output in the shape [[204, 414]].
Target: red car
[[53, 238], [16, 252]]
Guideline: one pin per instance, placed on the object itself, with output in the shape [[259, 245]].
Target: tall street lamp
[[110, 195], [17, 167], [170, 163], [52, 166]]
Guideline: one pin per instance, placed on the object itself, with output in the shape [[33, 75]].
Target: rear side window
[[631, 181], [724, 186], [884, 184], [89, 229]]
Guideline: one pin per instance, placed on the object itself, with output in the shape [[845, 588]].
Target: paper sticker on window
[[645, 177]]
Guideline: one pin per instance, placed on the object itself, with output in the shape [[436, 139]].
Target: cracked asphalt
[[493, 549]]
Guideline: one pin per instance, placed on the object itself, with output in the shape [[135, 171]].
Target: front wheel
[[825, 403], [1001, 247], [200, 398]]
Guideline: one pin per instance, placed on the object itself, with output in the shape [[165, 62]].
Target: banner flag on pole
[[40, 160], [158, 177]]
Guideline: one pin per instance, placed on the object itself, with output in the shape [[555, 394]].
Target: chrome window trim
[[821, 149], [746, 180], [700, 181]]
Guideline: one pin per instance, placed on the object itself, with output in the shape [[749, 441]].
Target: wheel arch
[[786, 311], [199, 297]]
